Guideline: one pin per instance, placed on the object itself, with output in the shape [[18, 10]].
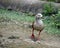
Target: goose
[[37, 25]]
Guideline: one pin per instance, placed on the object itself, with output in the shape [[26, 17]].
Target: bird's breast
[[38, 25]]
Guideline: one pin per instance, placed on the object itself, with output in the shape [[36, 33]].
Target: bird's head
[[39, 16]]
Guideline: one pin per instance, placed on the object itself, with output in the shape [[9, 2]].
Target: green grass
[[16, 15], [50, 28], [19, 16]]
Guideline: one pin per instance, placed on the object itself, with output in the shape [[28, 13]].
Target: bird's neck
[[38, 20]]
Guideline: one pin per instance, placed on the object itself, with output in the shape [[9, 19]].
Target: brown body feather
[[37, 26]]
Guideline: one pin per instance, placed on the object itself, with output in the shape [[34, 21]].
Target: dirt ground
[[17, 35]]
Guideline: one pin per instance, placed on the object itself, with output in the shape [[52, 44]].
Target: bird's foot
[[32, 36], [38, 41], [37, 38]]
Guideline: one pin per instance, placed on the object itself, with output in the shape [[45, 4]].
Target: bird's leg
[[32, 36], [38, 38]]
